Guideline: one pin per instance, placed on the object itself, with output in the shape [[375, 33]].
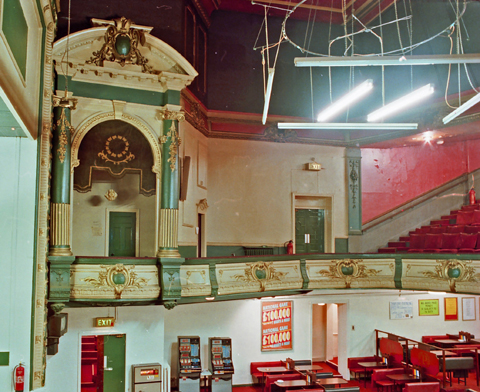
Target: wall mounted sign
[[104, 322], [451, 309], [468, 309], [428, 307], [314, 166], [277, 331], [401, 310]]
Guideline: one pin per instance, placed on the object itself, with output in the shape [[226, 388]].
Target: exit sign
[[104, 321], [314, 166]]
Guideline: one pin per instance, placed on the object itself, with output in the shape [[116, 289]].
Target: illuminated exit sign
[[314, 166], [104, 321]]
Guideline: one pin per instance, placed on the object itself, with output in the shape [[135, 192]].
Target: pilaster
[[353, 158]]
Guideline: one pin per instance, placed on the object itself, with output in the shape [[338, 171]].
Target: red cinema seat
[[433, 243], [455, 229], [467, 243], [417, 243], [464, 218], [438, 229], [476, 218], [471, 229], [450, 242]]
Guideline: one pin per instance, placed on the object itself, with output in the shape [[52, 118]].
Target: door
[[114, 363], [122, 234], [103, 363], [309, 231]]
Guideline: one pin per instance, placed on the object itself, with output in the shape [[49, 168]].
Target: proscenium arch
[[146, 131]]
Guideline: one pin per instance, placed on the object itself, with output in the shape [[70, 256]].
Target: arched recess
[[96, 119]]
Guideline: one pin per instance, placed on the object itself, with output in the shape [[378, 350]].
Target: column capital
[[168, 114], [64, 102]]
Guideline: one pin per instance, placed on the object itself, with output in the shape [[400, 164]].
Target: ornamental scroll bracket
[[119, 277], [347, 270], [172, 134], [261, 272], [121, 46], [453, 271]]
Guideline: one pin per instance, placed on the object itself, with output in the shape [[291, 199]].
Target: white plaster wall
[[89, 212], [250, 187], [192, 144], [144, 329], [17, 224]]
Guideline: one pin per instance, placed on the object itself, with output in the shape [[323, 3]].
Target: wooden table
[[400, 379], [440, 353], [308, 368], [331, 381], [449, 343], [370, 365], [273, 369]]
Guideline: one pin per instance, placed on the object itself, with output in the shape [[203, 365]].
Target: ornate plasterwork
[[348, 270], [280, 135], [172, 134], [453, 271], [351, 273], [202, 205], [195, 280], [354, 176], [61, 126], [90, 122], [261, 272], [117, 281]]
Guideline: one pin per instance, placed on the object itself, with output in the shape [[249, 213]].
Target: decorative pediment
[[121, 53]]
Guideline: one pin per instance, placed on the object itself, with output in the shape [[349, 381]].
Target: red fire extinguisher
[[471, 196], [290, 248], [19, 378]]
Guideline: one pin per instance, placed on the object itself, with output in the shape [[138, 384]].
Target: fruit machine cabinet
[[189, 365], [220, 364]]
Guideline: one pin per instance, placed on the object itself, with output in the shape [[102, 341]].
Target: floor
[[471, 383]]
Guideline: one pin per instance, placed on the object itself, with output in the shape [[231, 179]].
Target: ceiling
[[225, 123]]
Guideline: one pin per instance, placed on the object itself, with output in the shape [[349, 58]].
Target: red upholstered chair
[[438, 229], [417, 243], [433, 243], [422, 387], [465, 217], [470, 229], [467, 242], [450, 242], [455, 229], [271, 378]]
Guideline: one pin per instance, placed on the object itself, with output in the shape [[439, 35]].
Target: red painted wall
[[392, 177]]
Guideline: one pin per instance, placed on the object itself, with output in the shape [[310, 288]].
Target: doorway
[[309, 230], [103, 363], [122, 234]]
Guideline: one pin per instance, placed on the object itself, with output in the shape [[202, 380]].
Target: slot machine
[[189, 364], [221, 364]]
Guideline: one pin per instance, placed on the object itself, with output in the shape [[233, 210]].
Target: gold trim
[[106, 278], [466, 273], [168, 228], [202, 205], [62, 125], [353, 270], [59, 224], [261, 272], [172, 115]]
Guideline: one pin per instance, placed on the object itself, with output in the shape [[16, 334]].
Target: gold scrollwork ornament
[[261, 272], [348, 270], [453, 271]]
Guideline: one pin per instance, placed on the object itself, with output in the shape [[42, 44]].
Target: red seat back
[[450, 240], [464, 217], [417, 241], [455, 229], [467, 241], [433, 241]]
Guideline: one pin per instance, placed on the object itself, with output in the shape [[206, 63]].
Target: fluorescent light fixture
[[268, 93], [349, 126], [364, 61], [352, 96], [399, 104], [458, 111]]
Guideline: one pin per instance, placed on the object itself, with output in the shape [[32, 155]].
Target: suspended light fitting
[[342, 103], [399, 104], [458, 111], [349, 126], [268, 94]]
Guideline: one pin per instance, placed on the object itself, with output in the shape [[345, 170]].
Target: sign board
[[104, 322], [401, 310], [314, 166], [451, 309], [277, 326], [428, 307]]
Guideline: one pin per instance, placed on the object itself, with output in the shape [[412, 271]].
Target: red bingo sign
[[277, 326]]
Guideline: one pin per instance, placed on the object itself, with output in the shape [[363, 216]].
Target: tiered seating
[[454, 233]]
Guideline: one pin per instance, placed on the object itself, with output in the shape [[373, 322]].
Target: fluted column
[[60, 182], [168, 230]]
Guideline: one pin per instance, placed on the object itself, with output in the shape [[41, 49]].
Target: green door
[[309, 231], [122, 232], [114, 363]]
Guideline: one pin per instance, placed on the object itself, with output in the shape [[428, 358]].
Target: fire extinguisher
[[290, 247], [471, 196], [19, 377]]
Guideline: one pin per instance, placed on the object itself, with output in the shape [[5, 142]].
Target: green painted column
[[168, 230], [60, 181], [353, 157]]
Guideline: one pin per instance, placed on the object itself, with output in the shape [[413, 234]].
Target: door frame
[[137, 228], [97, 332], [305, 201]]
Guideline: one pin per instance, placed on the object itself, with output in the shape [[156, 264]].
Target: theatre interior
[[261, 195]]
